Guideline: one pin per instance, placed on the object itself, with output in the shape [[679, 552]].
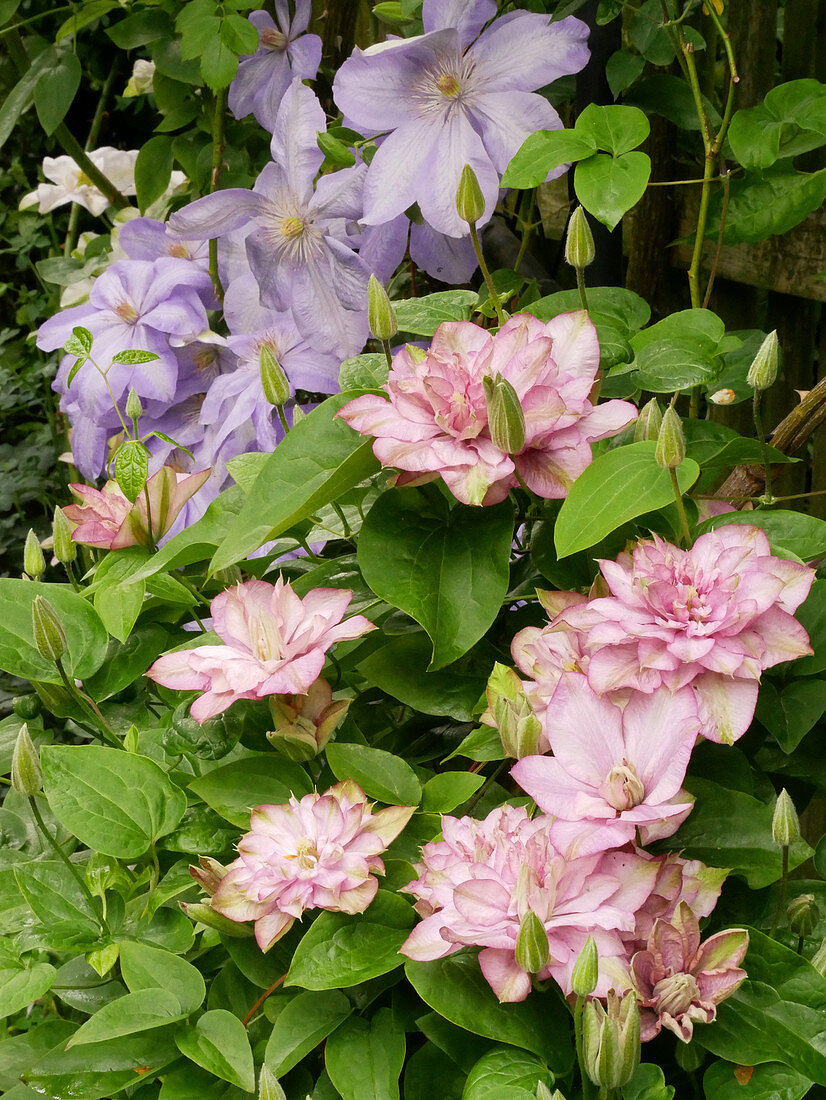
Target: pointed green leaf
[[219, 1043]]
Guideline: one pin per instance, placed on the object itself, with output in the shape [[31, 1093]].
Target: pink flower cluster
[[435, 422], [321, 852]]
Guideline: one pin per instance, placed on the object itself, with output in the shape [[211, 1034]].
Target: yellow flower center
[[292, 227], [448, 84], [127, 311]]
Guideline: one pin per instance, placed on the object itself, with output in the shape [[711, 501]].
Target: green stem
[[218, 112], [86, 704], [784, 885], [491, 779], [70, 573], [76, 875], [761, 435], [91, 142], [388, 354], [678, 497], [580, 285], [494, 297], [282, 416]]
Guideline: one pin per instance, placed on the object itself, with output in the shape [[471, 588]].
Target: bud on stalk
[[763, 370], [611, 1040], [532, 947], [65, 547], [26, 775], [579, 243], [470, 202], [586, 970], [803, 914], [506, 420], [274, 382], [785, 822], [204, 914], [670, 450], [34, 564], [49, 635], [134, 408], [649, 421], [381, 316]]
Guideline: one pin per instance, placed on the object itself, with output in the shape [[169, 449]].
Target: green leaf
[[318, 461], [381, 775], [239, 34], [335, 151], [622, 69], [430, 1064], [128, 1015], [145, 968], [714, 445], [101, 1069], [762, 206], [365, 1057], [802, 535], [775, 1016], [340, 950], [789, 714], [115, 802], [131, 468], [617, 313], [140, 28], [444, 792], [55, 897], [613, 129], [670, 365], [83, 16], [422, 316], [302, 1024], [119, 606], [86, 636], [482, 744], [219, 64], [363, 372], [19, 988], [264, 779], [812, 615], [153, 170], [400, 668], [199, 541], [127, 661], [456, 989], [218, 1042], [648, 1083], [609, 186], [670, 97], [506, 1068], [446, 567], [21, 97], [544, 151], [19, 1053], [770, 1081], [617, 487], [55, 91], [728, 828], [790, 120]]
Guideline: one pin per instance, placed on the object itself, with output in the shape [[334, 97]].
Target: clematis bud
[[511, 712], [723, 397], [26, 775], [544, 1093], [648, 422], [34, 564], [65, 547], [470, 202], [763, 369], [818, 960], [579, 243], [25, 706], [532, 947], [268, 1086], [204, 914], [611, 1040], [274, 382], [208, 874], [49, 635], [803, 914], [134, 408], [305, 723], [380, 313], [670, 450], [586, 970], [506, 420], [785, 822]]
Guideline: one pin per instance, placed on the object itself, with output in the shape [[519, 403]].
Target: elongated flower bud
[[470, 202], [785, 822], [268, 1086], [611, 1040], [763, 369], [803, 914], [579, 243], [26, 775], [649, 421], [506, 420], [586, 970], [34, 564], [274, 382], [204, 914], [380, 313], [65, 547], [49, 635], [134, 408], [208, 874], [532, 948], [670, 450], [511, 712]]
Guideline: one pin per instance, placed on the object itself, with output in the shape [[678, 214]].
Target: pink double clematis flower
[[107, 519], [319, 852], [275, 643], [436, 420]]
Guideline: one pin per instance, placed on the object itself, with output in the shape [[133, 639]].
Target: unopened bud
[[532, 948], [204, 914], [723, 397], [785, 822], [470, 202], [380, 313], [803, 914], [26, 775], [579, 243], [274, 382], [670, 450], [611, 1040], [49, 635], [25, 706], [134, 408], [763, 369], [506, 420], [818, 960], [208, 874], [65, 547], [649, 421], [689, 1056], [586, 970], [268, 1086], [34, 564], [543, 1092], [509, 709]]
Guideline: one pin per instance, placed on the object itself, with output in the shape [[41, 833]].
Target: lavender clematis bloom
[[450, 98], [148, 239], [449, 259], [298, 246], [285, 52]]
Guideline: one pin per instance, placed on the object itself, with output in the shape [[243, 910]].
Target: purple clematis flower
[[148, 239], [285, 52], [298, 247], [449, 259], [454, 96]]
